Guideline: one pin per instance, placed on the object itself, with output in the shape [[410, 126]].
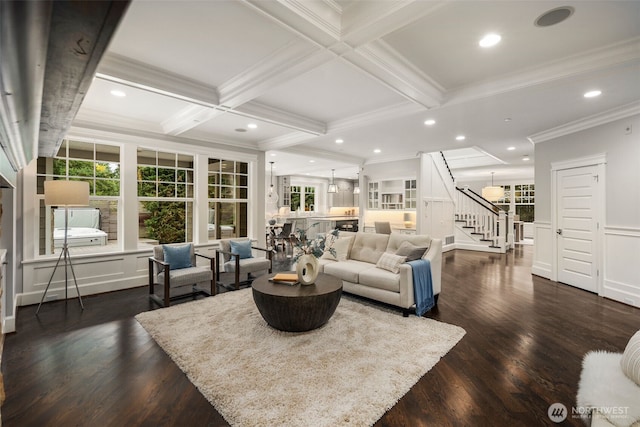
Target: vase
[[307, 269], [272, 222]]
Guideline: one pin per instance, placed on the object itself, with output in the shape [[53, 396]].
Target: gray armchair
[[233, 263], [193, 276]]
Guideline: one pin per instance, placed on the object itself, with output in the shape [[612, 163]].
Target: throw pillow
[[411, 251], [630, 362], [242, 248], [177, 256], [341, 247], [390, 262]]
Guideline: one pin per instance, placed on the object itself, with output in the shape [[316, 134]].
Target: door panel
[[577, 224]]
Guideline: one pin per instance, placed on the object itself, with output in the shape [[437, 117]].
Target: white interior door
[[577, 223]]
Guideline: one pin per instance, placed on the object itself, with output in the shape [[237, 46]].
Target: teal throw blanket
[[422, 285]]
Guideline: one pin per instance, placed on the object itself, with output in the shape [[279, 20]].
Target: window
[[302, 194], [165, 195], [96, 226], [228, 192], [525, 201], [522, 197]]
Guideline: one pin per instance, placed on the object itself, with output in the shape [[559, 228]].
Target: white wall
[[621, 230]]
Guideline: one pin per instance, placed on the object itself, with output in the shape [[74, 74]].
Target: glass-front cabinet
[[393, 194]]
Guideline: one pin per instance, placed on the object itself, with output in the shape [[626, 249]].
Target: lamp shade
[[493, 194], [66, 193]]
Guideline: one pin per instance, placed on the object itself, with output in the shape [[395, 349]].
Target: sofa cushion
[[410, 251], [630, 362], [396, 239], [342, 247], [390, 262], [378, 278], [368, 247], [242, 248], [348, 270]]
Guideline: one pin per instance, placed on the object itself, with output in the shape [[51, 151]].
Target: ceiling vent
[[554, 16]]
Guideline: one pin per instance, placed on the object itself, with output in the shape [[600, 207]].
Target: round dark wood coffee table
[[297, 308]]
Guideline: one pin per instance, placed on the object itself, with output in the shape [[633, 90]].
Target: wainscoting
[[619, 271]]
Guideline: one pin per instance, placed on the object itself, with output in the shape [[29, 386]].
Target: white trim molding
[[621, 281], [589, 122], [542, 260]]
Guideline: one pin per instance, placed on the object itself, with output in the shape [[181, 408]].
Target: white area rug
[[347, 373]]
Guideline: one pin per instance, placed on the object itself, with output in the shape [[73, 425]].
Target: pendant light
[[272, 195], [356, 188], [493, 193], [333, 188]]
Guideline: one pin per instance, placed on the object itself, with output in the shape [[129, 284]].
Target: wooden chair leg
[[167, 300]]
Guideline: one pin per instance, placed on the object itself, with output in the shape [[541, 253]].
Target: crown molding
[[267, 113], [383, 62], [136, 74], [596, 59], [286, 63], [325, 14], [108, 133], [585, 123], [94, 118], [374, 116]]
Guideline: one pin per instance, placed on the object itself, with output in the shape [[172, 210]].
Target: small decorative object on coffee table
[[307, 252], [297, 308]]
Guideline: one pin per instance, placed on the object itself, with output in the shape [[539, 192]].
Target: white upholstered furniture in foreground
[[360, 276]]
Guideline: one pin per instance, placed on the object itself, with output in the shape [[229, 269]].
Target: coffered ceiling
[[369, 73]]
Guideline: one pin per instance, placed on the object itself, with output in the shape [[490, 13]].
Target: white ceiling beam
[[366, 21], [143, 76], [326, 15], [389, 112], [280, 117], [288, 62], [284, 141], [599, 59], [384, 63], [188, 118]]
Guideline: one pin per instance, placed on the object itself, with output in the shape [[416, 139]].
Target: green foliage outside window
[[166, 221]]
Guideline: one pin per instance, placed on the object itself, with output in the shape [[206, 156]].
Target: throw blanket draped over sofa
[[365, 263]]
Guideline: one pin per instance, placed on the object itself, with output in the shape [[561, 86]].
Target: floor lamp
[[66, 194]]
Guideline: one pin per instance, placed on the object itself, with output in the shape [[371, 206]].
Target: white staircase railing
[[482, 219]]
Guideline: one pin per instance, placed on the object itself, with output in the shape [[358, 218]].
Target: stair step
[[486, 240], [478, 234], [496, 247], [467, 226]]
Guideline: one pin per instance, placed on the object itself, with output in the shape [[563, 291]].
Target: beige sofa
[[357, 255]]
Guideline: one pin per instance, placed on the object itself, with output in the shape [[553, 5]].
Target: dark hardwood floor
[[522, 352]]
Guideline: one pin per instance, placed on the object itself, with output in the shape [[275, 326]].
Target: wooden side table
[[297, 308]]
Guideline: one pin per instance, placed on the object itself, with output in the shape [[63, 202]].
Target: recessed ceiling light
[[525, 159], [460, 138], [377, 151], [490, 40], [507, 119], [273, 154], [593, 93], [430, 122], [511, 148], [339, 141], [312, 161], [252, 126], [118, 93]]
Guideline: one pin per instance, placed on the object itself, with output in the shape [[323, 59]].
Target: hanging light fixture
[[333, 188], [356, 188], [493, 193], [272, 195]]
